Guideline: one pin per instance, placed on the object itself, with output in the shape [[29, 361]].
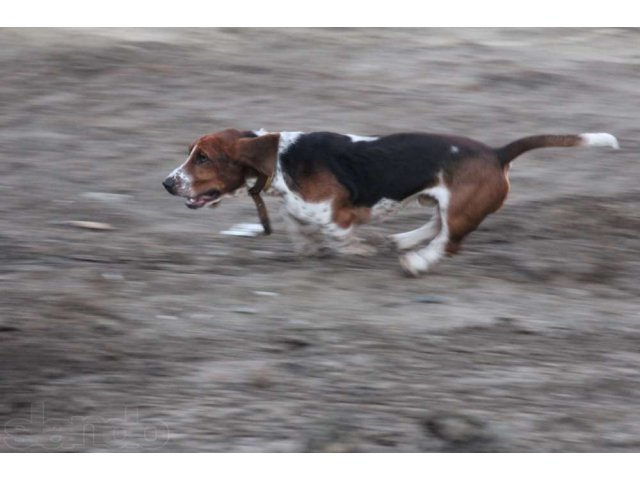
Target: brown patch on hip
[[478, 187]]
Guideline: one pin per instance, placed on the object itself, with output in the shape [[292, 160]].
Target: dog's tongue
[[203, 199], [197, 202]]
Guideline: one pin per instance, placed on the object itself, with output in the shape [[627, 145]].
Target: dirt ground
[[162, 334]]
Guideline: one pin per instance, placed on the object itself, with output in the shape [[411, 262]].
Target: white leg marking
[[410, 239], [307, 239], [318, 217], [345, 241], [420, 261], [309, 218]]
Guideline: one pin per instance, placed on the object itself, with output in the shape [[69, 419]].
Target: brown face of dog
[[219, 164]]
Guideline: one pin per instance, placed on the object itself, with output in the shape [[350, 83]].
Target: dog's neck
[[279, 185]]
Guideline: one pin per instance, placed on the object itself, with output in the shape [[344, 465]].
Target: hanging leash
[[262, 183]]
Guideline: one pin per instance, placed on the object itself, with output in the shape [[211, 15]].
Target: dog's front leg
[[308, 221], [345, 241], [310, 239], [307, 237]]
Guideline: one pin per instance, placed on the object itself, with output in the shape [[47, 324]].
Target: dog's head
[[220, 163]]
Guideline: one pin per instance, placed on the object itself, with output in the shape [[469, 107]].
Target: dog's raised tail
[[507, 153]]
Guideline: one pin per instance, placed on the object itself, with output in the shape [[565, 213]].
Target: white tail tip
[[599, 140]]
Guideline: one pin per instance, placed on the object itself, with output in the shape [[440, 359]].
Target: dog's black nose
[[170, 184]]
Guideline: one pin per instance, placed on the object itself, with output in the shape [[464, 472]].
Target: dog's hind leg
[[418, 261], [410, 239]]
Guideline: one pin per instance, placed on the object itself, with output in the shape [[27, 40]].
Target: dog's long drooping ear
[[258, 153]]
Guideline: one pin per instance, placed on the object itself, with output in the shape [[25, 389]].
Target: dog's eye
[[201, 159]]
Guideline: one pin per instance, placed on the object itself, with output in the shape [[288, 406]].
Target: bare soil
[[162, 334]]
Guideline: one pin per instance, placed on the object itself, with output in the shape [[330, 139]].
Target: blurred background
[[130, 323]]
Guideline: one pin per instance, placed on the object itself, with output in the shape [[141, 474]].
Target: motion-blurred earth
[[157, 333]]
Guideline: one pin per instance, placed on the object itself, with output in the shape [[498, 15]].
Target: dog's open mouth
[[209, 198]]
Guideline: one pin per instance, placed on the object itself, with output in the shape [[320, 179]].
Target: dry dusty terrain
[[162, 334]]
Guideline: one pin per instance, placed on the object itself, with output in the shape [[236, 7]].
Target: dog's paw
[[308, 247], [398, 241], [362, 249], [413, 264], [404, 241]]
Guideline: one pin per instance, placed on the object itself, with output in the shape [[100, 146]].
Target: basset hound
[[331, 182]]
